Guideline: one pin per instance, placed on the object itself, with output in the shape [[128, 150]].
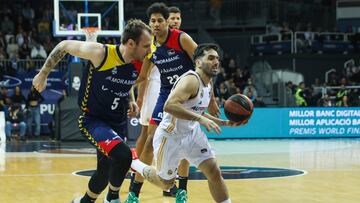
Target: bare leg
[[183, 169], [150, 175], [140, 142], [216, 183], [147, 152]]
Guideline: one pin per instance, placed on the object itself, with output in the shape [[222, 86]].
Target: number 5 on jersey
[[115, 103]]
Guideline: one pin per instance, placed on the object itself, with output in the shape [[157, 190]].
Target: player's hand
[[139, 103], [133, 110], [234, 124], [214, 109], [209, 125], [40, 81]]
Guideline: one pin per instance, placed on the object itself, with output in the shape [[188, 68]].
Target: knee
[[215, 174], [167, 184], [121, 154]]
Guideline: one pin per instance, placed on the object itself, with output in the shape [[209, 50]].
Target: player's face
[[142, 49], [174, 20], [158, 24], [210, 63]]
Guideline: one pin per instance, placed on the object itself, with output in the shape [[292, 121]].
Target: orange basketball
[[238, 108]]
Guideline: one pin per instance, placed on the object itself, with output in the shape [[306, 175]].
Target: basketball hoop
[[90, 33]]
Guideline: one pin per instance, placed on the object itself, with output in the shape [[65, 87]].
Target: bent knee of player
[[167, 184]]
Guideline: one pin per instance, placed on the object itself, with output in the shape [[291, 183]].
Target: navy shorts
[[101, 134], [157, 114]]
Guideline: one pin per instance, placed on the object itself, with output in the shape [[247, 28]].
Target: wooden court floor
[[331, 166]]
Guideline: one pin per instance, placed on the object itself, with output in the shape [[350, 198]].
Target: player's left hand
[[133, 110], [214, 109], [234, 124]]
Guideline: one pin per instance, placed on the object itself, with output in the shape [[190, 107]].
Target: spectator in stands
[[5, 97], [317, 87], [7, 25], [38, 51], [50, 44], [289, 93], [20, 37], [232, 87], [325, 101], [222, 94], [14, 65], [250, 87], [231, 67], [239, 78], [215, 11], [342, 96], [2, 41], [24, 50], [221, 77], [300, 96], [309, 37], [15, 122], [18, 98], [33, 103], [28, 13], [12, 48]]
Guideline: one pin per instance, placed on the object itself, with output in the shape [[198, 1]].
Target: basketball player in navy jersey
[[179, 135], [104, 96]]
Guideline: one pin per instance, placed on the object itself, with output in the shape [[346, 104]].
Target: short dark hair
[[158, 7], [133, 30], [199, 51], [174, 9]]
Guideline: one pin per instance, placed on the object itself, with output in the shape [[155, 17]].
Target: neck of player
[[203, 76], [125, 53], [160, 39]]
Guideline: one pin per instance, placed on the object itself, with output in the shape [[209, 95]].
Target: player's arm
[[133, 107], [222, 122], [185, 89], [143, 80], [146, 67], [188, 44], [92, 51]]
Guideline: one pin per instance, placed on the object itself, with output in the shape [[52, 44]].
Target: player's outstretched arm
[[185, 89], [92, 51]]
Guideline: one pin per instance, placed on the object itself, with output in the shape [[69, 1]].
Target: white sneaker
[[76, 200], [112, 201]]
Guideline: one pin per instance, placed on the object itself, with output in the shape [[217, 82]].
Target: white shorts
[[150, 97], [170, 150]]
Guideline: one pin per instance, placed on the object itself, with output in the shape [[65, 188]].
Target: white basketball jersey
[[198, 105], [155, 74]]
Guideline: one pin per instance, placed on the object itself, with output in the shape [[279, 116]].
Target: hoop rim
[[90, 29]]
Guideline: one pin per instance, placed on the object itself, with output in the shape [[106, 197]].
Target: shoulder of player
[[190, 82]]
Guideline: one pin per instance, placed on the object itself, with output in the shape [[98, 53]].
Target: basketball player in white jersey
[[179, 135], [147, 98]]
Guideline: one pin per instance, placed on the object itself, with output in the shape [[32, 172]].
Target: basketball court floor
[[259, 171]]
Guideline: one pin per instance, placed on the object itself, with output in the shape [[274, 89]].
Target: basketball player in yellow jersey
[[179, 135], [104, 97]]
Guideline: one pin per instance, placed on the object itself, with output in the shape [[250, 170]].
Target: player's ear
[[131, 43], [197, 62]]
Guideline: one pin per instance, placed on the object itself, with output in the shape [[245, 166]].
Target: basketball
[[238, 108]]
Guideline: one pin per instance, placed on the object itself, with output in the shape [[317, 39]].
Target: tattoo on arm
[[55, 56]]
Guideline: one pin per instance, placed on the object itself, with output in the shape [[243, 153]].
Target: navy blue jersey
[[171, 60], [104, 90]]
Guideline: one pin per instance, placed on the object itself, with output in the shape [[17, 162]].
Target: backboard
[[72, 15]]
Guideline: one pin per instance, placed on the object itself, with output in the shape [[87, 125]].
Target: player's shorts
[[157, 114], [101, 134], [169, 150], [150, 98]]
